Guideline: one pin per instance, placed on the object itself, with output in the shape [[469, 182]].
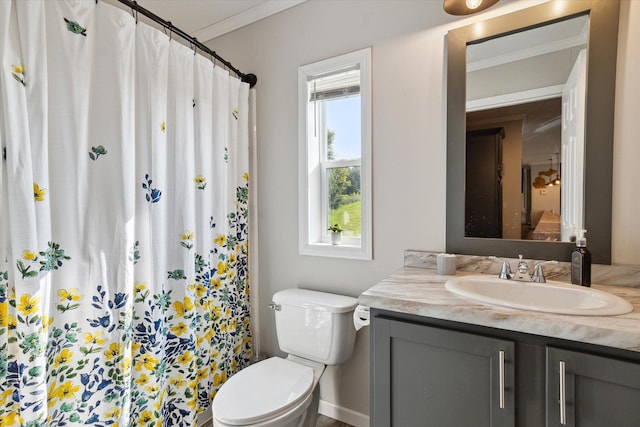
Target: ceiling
[[208, 19]]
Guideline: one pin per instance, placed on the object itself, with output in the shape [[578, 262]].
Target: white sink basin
[[550, 297]]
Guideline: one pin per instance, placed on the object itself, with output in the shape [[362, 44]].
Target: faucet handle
[[523, 267], [538, 274], [505, 272]]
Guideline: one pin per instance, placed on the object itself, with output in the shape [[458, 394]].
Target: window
[[335, 155]]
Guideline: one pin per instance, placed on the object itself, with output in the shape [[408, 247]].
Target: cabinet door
[[427, 376], [584, 390]]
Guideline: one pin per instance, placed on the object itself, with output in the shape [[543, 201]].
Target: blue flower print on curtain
[[153, 194]]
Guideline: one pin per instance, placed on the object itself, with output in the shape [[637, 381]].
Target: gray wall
[[409, 140]]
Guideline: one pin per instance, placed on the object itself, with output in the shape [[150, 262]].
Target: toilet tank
[[315, 325]]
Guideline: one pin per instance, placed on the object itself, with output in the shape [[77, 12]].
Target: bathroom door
[[573, 115], [483, 187]]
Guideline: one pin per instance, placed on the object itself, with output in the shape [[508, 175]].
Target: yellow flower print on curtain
[[38, 193], [96, 338], [18, 73], [28, 304], [201, 182], [69, 299], [187, 239], [4, 313], [220, 240], [184, 309]]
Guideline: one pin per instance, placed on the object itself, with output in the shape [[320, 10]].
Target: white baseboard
[[330, 410], [345, 415]]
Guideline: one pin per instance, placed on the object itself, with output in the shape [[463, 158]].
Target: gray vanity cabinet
[[430, 376], [585, 390], [429, 372]]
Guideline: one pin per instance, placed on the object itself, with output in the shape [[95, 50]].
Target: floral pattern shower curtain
[[124, 295]]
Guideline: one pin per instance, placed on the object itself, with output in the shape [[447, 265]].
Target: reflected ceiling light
[[467, 7], [557, 180], [473, 4], [540, 182]]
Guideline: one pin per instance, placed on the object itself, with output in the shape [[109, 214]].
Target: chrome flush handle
[[274, 306]]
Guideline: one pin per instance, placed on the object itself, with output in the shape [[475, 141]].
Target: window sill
[[335, 251]]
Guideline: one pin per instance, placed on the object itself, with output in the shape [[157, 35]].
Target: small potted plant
[[336, 234]]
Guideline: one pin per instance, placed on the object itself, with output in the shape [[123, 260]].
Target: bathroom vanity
[[440, 359]]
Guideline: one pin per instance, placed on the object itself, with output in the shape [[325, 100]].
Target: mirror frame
[[601, 76]]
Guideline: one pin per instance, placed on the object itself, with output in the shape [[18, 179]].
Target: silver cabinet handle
[[501, 375], [563, 395]]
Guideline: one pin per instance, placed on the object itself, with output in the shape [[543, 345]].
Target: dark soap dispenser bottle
[[581, 261]]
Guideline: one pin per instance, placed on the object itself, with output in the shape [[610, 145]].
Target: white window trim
[[353, 248]]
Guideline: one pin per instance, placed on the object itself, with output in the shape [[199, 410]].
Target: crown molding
[[263, 10]]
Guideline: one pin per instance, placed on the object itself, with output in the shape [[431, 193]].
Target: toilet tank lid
[[322, 301]]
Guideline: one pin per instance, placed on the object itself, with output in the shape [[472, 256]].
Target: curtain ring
[[169, 27], [134, 10], [195, 46]]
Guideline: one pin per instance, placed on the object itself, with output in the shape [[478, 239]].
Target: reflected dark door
[[483, 191]]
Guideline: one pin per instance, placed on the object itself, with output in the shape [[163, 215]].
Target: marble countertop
[[421, 292]]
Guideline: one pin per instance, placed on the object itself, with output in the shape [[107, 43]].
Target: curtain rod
[[252, 79]]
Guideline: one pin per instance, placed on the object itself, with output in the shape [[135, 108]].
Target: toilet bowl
[[316, 329], [275, 392]]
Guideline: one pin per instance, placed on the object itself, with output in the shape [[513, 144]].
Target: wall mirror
[[506, 104]]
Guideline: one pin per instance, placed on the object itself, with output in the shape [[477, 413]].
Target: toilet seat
[[269, 389]]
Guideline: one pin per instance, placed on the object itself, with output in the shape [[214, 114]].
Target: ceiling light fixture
[[466, 7], [473, 4]]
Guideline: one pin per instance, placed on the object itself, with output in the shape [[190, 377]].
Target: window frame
[[312, 170]]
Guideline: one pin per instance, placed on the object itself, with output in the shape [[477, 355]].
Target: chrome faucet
[[522, 272]]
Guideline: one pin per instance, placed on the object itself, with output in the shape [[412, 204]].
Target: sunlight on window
[[335, 156], [344, 199]]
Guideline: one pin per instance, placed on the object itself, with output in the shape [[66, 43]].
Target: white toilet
[[316, 329]]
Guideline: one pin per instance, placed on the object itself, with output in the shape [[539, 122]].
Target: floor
[[329, 422], [322, 422]]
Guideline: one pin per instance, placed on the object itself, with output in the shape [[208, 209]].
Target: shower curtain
[[124, 296]]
